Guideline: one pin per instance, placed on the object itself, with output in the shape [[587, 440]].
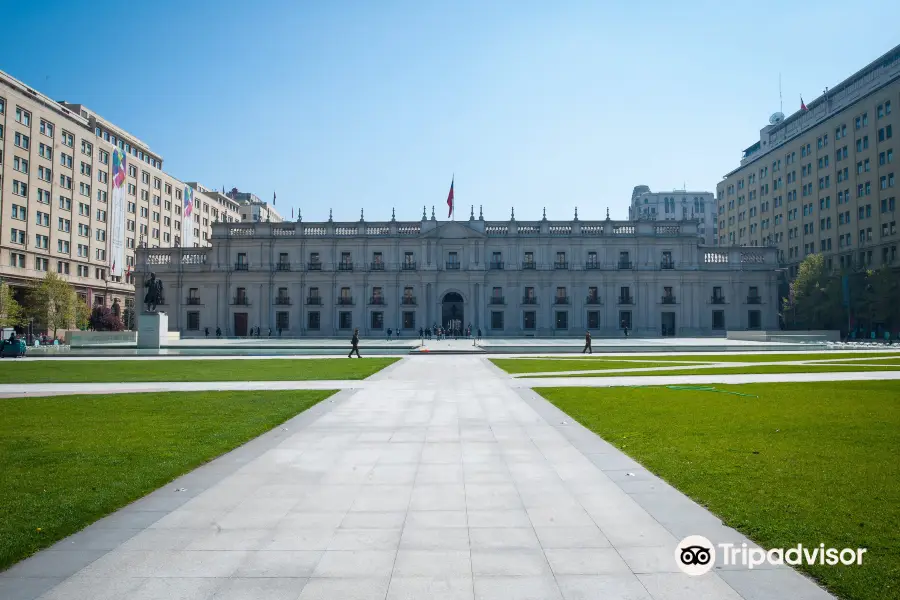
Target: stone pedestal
[[153, 330]]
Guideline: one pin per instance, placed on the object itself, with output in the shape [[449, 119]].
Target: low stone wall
[[81, 339], [785, 336]]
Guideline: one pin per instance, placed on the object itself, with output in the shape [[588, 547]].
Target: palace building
[[508, 278]]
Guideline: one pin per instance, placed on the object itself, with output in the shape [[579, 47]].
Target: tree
[[11, 313], [103, 319], [815, 300], [875, 297], [82, 315], [53, 302], [128, 317]]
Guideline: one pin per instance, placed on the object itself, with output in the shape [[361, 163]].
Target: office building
[[677, 205], [59, 207], [824, 179]]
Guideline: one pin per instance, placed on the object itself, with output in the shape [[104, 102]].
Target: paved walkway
[[413, 486], [403, 384]]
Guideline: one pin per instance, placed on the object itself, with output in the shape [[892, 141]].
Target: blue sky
[[354, 104]]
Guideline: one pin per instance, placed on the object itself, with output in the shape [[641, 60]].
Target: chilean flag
[[450, 199], [803, 105]]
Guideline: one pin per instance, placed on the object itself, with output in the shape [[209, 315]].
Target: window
[[17, 236], [20, 165], [718, 319], [41, 264], [62, 267], [409, 319], [17, 260], [376, 320], [345, 320], [62, 246], [193, 320], [753, 319], [64, 225], [19, 212], [68, 139], [497, 320], [282, 320], [45, 151], [529, 320], [42, 218], [23, 117], [562, 319]]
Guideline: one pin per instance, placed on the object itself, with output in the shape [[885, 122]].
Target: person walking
[[218, 332], [389, 332], [587, 343], [354, 344], [206, 331], [625, 327]]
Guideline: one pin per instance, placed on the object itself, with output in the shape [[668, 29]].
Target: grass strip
[[802, 463], [70, 460], [122, 371]]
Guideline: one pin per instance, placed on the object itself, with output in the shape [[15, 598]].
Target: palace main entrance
[[452, 313]]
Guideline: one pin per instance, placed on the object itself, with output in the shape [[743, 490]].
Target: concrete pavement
[[437, 478]]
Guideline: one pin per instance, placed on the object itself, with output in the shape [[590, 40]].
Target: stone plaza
[[406, 485]]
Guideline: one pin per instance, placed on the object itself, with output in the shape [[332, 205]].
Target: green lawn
[[516, 365], [116, 371], [724, 357], [803, 463], [759, 369], [69, 460]]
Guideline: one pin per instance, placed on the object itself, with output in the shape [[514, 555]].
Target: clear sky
[[357, 104]]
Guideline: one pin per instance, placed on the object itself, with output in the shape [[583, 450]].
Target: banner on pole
[[117, 215], [187, 222]]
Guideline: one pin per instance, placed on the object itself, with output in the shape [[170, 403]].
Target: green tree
[[815, 300], [11, 312], [877, 298], [53, 302], [82, 314]]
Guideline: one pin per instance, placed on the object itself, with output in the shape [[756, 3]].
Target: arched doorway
[[452, 313]]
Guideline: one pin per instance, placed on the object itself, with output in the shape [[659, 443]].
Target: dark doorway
[[240, 324], [668, 323], [452, 313]]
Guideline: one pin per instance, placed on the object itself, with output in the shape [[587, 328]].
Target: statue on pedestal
[[154, 294]]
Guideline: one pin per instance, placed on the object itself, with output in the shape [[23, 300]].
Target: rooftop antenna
[[780, 101]]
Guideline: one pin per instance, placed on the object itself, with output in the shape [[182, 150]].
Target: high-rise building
[[824, 179], [78, 194], [253, 209], [677, 205]]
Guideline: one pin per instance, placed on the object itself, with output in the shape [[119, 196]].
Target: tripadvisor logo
[[696, 555]]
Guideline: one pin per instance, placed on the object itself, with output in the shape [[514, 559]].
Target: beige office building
[[823, 180], [56, 188]]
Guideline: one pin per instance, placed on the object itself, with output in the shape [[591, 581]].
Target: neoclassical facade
[[509, 278]]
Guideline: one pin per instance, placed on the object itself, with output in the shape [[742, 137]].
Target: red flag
[[803, 105], [450, 199]]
